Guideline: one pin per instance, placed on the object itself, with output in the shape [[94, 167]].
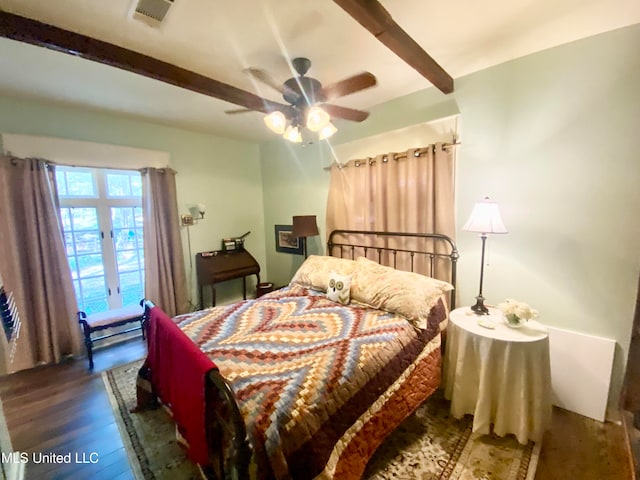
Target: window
[[101, 214]]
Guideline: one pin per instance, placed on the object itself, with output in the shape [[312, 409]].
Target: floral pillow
[[409, 294], [339, 288], [314, 273]]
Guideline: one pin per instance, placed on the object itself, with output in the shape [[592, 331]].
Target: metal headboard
[[375, 245]]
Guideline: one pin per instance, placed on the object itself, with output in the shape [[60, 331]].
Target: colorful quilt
[[312, 377]]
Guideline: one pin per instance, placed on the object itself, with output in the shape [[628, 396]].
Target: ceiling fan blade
[[238, 110], [284, 89], [345, 113], [350, 85], [264, 78]]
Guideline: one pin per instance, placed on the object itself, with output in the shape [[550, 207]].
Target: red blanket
[[172, 355]]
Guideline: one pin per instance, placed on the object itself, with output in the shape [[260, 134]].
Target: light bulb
[[327, 131], [276, 121], [317, 119], [293, 134]]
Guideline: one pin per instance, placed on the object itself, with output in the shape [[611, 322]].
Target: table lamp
[[485, 218], [304, 226]]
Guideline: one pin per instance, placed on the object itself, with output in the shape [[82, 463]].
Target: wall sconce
[[196, 213]]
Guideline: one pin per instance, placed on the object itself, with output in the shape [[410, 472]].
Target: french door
[[102, 220]]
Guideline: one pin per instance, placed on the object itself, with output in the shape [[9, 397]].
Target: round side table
[[500, 375]]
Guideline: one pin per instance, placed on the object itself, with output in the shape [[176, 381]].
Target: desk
[[220, 266], [501, 376]]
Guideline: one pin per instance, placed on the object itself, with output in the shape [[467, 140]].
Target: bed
[[301, 383]]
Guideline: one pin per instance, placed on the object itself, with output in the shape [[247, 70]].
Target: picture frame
[[286, 242]]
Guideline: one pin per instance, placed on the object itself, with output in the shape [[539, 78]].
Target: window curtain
[[165, 277], [34, 265], [409, 192]]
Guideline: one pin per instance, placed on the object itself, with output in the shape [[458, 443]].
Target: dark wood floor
[[65, 408]]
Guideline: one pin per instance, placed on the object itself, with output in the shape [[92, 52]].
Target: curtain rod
[[394, 156], [51, 163]]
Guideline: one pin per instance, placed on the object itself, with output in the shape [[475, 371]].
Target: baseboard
[[627, 425]]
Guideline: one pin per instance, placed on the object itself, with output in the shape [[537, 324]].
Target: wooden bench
[[110, 319]]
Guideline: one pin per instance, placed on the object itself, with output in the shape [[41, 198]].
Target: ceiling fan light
[[293, 134], [327, 131], [276, 121], [317, 119]]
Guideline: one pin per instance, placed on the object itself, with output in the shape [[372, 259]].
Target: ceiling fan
[[306, 98]]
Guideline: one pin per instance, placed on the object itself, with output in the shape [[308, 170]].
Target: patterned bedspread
[[305, 370]]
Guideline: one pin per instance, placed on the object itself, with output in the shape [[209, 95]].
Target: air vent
[[152, 11]]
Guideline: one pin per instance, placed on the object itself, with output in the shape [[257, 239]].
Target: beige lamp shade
[[276, 121], [328, 130], [293, 134], [317, 119], [485, 218]]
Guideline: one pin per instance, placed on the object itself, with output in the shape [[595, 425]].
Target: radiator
[[581, 368]]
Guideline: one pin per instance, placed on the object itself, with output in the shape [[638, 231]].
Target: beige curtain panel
[[34, 265], [410, 192], [165, 277]]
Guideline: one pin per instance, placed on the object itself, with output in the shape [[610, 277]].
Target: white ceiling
[[219, 38]]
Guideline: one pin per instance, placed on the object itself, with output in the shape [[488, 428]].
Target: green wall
[[223, 174], [294, 183], [554, 139]]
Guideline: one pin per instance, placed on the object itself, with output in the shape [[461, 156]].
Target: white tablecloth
[[502, 376]]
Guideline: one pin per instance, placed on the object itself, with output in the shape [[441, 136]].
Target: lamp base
[[479, 308]]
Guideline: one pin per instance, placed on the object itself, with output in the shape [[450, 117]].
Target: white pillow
[[410, 294], [315, 271]]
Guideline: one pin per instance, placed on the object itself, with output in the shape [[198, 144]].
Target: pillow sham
[[315, 271], [409, 294], [339, 288]]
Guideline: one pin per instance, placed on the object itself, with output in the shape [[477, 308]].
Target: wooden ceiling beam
[[373, 16], [33, 32]]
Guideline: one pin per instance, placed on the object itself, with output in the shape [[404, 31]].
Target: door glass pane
[[123, 218], [127, 260], [90, 265], [132, 296], [93, 288], [130, 280], [73, 264], [88, 242], [83, 243], [68, 243], [127, 240], [95, 306], [84, 219], [139, 238]]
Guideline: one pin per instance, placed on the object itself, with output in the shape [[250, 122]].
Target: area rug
[[429, 445]]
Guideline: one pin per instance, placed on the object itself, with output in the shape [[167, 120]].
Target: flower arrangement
[[516, 312]]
